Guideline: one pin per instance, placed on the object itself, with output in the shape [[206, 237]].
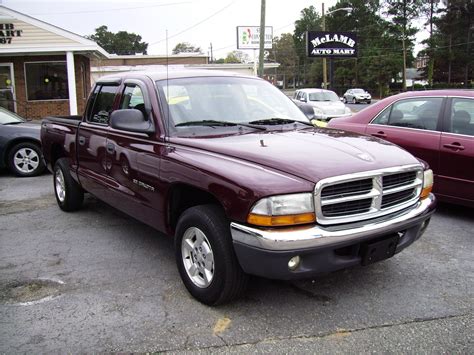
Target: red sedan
[[436, 126]]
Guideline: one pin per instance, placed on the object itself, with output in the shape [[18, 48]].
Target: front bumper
[[327, 117], [266, 252]]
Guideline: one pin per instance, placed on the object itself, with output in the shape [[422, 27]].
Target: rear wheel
[[25, 159], [205, 256], [69, 195]]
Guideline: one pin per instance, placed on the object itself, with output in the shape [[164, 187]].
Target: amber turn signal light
[[279, 221]]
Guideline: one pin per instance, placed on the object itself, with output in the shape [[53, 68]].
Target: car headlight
[[427, 183], [318, 113], [347, 110], [283, 210]]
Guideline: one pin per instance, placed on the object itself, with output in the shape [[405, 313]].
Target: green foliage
[[185, 47], [122, 42], [234, 57], [451, 46]]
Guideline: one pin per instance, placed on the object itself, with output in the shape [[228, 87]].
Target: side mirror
[[131, 120], [302, 99]]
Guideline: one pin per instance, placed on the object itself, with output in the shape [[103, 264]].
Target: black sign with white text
[[331, 44]]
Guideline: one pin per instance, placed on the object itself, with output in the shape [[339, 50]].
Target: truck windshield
[[224, 99]]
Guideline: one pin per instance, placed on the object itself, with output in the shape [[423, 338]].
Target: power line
[[196, 24], [108, 10]]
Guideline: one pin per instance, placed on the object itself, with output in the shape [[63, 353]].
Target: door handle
[[110, 148], [454, 146], [82, 140], [380, 134]]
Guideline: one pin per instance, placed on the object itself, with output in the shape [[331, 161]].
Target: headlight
[[347, 110], [318, 113], [283, 210], [427, 183]]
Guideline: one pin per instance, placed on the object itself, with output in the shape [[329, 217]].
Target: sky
[[198, 22]]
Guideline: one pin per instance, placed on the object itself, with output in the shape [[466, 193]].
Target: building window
[[46, 81]]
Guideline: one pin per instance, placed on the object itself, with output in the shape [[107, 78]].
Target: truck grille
[[360, 196]]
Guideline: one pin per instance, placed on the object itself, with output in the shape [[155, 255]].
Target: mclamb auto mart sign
[[331, 44]]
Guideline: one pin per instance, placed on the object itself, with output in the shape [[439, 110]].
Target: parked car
[[356, 96], [325, 103], [232, 169], [20, 145], [436, 126]]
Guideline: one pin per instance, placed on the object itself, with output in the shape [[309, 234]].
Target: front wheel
[[354, 100], [25, 159], [368, 102], [69, 195], [205, 256], [344, 100]]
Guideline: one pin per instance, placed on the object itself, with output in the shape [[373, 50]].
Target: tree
[[284, 53], [309, 21], [185, 47], [402, 13], [122, 42], [236, 57], [451, 43], [379, 52]]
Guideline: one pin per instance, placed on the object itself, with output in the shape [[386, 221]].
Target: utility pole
[[262, 39], [211, 54], [325, 74], [404, 76]]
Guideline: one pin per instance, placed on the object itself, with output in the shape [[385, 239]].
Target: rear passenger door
[[456, 171], [413, 124], [91, 145]]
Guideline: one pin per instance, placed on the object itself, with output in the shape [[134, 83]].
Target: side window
[[305, 97], [462, 117], [420, 113], [300, 94], [132, 98], [103, 103]]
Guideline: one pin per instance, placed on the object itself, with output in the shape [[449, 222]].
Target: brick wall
[[40, 109]]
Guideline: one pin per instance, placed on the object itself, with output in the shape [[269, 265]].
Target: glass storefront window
[[46, 81]]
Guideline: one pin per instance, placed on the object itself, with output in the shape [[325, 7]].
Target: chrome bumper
[[314, 237]]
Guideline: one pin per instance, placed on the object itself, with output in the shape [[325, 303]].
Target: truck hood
[[311, 154]]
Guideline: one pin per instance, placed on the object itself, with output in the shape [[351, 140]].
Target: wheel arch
[[183, 196]]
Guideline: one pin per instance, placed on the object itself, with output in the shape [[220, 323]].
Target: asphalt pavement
[[98, 281]]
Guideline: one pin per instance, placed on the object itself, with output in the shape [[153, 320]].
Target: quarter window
[[103, 103], [462, 117], [420, 113]]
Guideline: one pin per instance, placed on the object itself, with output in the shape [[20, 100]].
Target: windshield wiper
[[279, 121], [14, 122], [218, 123]]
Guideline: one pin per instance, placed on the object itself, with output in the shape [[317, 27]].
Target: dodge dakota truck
[[230, 168]]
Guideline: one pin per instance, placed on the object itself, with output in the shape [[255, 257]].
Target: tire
[[69, 195], [205, 256], [344, 100], [354, 100], [26, 159], [368, 102]]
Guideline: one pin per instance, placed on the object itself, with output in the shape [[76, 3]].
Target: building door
[[7, 87]]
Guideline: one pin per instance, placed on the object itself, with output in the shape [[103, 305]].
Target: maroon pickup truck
[[233, 170]]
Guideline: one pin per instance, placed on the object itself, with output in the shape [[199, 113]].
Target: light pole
[[325, 71]]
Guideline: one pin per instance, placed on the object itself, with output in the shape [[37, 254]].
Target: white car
[[326, 104], [356, 96]]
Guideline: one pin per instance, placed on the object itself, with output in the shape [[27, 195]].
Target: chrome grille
[[366, 195]]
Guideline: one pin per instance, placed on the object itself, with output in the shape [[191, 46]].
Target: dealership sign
[[248, 37], [331, 44]]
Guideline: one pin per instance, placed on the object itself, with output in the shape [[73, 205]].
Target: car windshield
[[211, 103], [7, 117], [323, 96], [358, 91]]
